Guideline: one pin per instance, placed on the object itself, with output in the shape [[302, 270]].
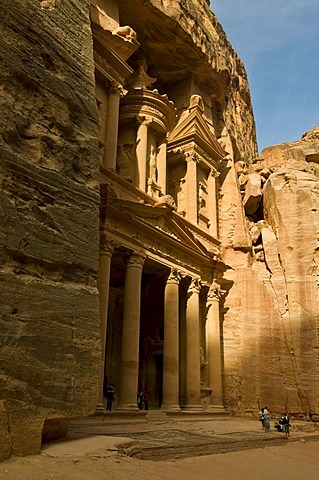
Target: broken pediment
[[193, 128]]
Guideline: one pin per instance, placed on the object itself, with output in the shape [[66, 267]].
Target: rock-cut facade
[[143, 241]]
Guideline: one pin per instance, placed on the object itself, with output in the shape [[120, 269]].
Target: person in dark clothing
[[146, 400], [285, 424], [110, 396], [140, 400]]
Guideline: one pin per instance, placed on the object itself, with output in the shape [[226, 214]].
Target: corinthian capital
[[136, 260], [116, 89], [174, 276], [214, 293], [107, 246], [195, 286]]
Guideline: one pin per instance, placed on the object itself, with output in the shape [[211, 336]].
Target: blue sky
[[278, 41]]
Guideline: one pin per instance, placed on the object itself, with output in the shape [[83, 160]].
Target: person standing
[[146, 400], [267, 418], [110, 396], [262, 418], [286, 425], [140, 400]]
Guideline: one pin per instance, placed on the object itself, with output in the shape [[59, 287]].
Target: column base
[[216, 407], [193, 408], [127, 408], [100, 408], [170, 408]]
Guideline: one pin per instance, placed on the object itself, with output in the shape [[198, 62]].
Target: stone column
[[193, 389], [103, 283], [212, 204], [141, 151], [191, 188], [171, 343], [131, 333], [213, 348], [111, 127], [161, 164]]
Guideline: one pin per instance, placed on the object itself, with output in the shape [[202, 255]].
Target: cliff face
[[184, 38], [49, 221], [272, 304], [49, 204]]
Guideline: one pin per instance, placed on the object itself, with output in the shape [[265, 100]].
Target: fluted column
[[191, 188], [111, 127], [161, 164], [193, 390], [131, 333], [103, 282], [213, 348], [141, 151], [171, 343], [212, 204]]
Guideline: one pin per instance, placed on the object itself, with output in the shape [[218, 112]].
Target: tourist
[[262, 418], [140, 400], [285, 424], [110, 396], [267, 418], [146, 400]]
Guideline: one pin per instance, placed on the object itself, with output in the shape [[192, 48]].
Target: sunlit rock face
[[51, 142], [50, 348], [271, 311]]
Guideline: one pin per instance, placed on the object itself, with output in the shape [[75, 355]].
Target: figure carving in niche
[[126, 32], [153, 164], [124, 161], [203, 363], [202, 193]]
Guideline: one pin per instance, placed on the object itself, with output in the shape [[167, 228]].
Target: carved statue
[[124, 161], [126, 32], [153, 162], [196, 101]]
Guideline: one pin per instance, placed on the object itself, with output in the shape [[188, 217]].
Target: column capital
[[195, 285], [144, 120], [136, 260], [174, 276], [192, 157], [214, 173], [107, 246], [116, 89], [214, 294]]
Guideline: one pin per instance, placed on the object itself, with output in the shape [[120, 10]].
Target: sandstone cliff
[[50, 353], [271, 312]]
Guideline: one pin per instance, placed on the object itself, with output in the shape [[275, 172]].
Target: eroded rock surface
[[273, 300], [50, 353]]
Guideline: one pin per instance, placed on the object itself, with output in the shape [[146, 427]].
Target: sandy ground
[[294, 461]]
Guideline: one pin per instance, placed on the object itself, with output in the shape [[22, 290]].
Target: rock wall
[[184, 38], [49, 204], [271, 307]]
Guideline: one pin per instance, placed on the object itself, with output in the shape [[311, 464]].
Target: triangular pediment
[[192, 126], [163, 221]]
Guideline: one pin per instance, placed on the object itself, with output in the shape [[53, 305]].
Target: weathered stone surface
[[50, 355], [201, 157], [271, 306]]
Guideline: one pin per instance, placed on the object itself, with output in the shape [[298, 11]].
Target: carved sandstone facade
[[142, 240]]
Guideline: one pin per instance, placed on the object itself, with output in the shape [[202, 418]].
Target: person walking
[[110, 396]]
